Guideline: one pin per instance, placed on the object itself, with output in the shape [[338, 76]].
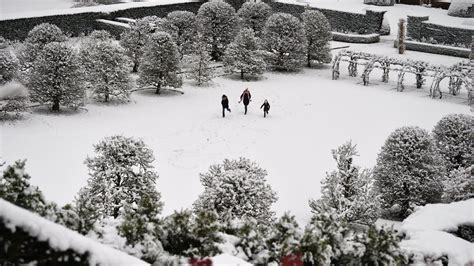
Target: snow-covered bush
[[284, 238], [349, 191], [100, 35], [8, 66], [106, 69], [408, 172], [318, 35], [217, 23], [380, 247], [237, 189], [459, 185], [37, 39], [185, 23], [201, 70], [453, 136], [244, 56], [160, 65], [461, 8], [285, 41], [177, 236], [206, 228], [56, 78], [254, 15]]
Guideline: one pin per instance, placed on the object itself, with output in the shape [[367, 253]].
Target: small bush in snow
[[237, 189], [160, 64], [285, 237], [453, 136], [285, 41], [106, 70], [244, 56], [318, 34], [217, 23], [459, 185], [177, 236], [206, 228], [55, 77], [254, 15], [349, 191], [408, 172], [185, 23]]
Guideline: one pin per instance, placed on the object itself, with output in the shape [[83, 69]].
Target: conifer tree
[[55, 77], [160, 66], [254, 15], [237, 189], [217, 23], [177, 236], [318, 34], [186, 30], [201, 70], [284, 39], [244, 56], [459, 185], [206, 228], [284, 238], [408, 172], [381, 247]]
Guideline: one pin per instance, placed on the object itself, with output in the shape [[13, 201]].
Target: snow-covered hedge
[[436, 49], [355, 38], [461, 8]]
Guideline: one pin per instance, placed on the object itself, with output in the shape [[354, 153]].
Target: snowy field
[[310, 115]]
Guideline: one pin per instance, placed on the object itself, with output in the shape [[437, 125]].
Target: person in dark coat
[[266, 108], [246, 97], [225, 105]]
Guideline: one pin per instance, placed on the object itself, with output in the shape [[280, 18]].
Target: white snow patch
[[60, 238], [12, 89], [228, 260]]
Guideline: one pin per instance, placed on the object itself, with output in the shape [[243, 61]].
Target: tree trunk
[[135, 67], [241, 74], [158, 87], [55, 107], [309, 60], [106, 98]]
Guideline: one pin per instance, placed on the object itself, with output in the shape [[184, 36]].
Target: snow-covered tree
[[284, 39], [237, 189], [217, 22], [121, 175], [185, 24], [37, 39], [349, 190], [254, 15], [100, 35], [13, 95], [285, 237], [206, 228], [55, 77], [244, 56], [459, 185], [177, 236], [8, 65], [453, 136], [408, 172], [381, 247], [201, 70], [318, 34], [160, 64], [106, 70]]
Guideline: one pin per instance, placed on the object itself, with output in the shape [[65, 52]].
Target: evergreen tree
[[237, 189], [254, 15], [408, 172], [185, 24], [285, 41], [381, 247], [160, 66], [284, 238], [177, 236], [349, 191], [8, 66], [453, 136], [459, 185], [105, 66], [55, 77], [101, 35], [201, 70], [217, 23], [206, 228], [244, 56], [318, 34], [13, 95]]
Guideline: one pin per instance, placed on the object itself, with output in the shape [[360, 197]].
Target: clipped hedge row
[[353, 38], [436, 49]]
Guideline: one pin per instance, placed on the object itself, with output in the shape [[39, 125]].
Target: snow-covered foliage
[[177, 237], [427, 233], [105, 65], [13, 99], [8, 65], [408, 172], [349, 191], [318, 35], [284, 39], [52, 239], [380, 247], [217, 23], [185, 24], [285, 237], [459, 185], [160, 64], [254, 15], [244, 56], [461, 8], [453, 136], [201, 70], [100, 35], [206, 228], [237, 189], [55, 77]]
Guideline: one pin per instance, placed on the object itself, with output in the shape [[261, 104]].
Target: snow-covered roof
[[228, 260], [60, 238]]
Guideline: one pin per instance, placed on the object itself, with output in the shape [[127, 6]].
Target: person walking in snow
[[246, 97], [225, 105], [266, 108]]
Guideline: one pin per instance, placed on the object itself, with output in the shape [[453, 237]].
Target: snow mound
[[11, 90], [228, 260], [60, 238]]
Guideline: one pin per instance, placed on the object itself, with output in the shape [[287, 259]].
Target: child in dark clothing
[[246, 97], [225, 105], [266, 108]]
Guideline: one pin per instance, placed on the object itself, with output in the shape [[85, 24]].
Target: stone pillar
[[415, 25]]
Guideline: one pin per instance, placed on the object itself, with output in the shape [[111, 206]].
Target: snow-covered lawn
[[310, 115]]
